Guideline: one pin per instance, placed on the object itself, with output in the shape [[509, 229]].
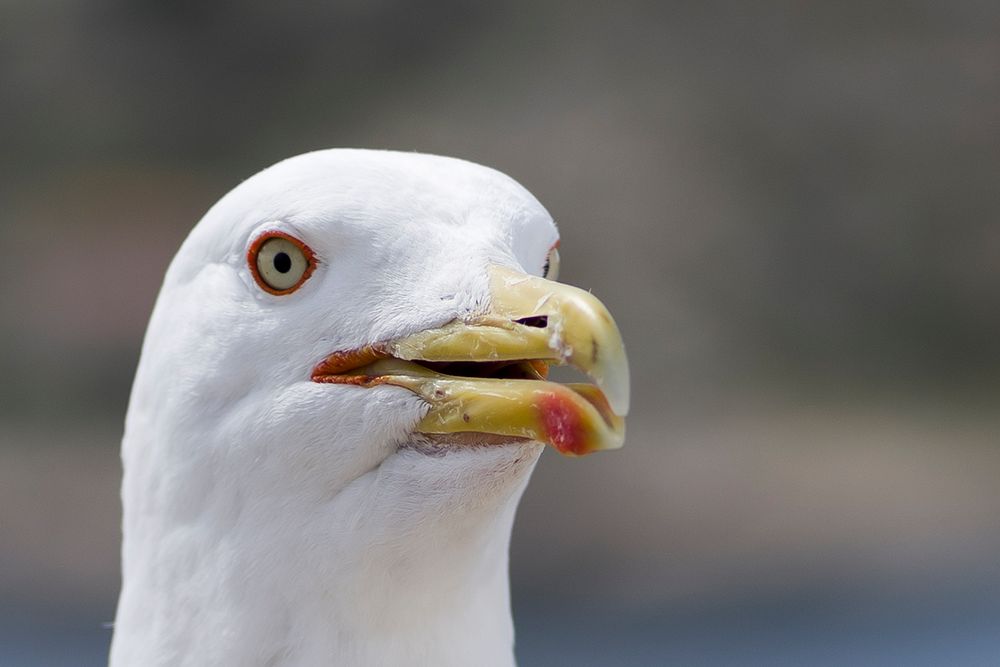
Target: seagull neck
[[441, 598], [363, 580]]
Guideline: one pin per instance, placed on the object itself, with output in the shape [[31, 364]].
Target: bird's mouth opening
[[487, 375], [534, 369]]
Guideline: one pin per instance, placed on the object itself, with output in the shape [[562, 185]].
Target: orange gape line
[[344, 361]]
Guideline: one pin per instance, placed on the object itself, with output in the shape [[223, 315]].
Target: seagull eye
[[551, 270], [280, 263]]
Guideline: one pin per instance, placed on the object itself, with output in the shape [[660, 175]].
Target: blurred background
[[792, 209]]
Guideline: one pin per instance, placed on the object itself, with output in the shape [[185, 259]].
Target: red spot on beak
[[562, 424]]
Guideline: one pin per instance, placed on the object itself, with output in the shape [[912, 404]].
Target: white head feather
[[273, 520]]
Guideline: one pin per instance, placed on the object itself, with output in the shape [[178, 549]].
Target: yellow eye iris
[[551, 270], [280, 263]]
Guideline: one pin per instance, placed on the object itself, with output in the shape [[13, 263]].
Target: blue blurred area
[[788, 632], [960, 630]]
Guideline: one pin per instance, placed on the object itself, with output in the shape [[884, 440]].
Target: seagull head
[[341, 396]]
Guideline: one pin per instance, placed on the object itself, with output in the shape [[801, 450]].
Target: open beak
[[487, 374]]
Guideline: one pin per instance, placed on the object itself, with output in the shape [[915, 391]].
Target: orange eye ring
[[280, 263]]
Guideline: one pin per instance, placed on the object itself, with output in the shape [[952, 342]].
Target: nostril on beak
[[537, 321]]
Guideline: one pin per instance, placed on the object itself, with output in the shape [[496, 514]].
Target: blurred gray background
[[790, 207]]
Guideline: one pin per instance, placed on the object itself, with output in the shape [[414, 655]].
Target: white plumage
[[271, 519]]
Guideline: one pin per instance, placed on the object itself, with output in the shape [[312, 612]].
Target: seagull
[[341, 396]]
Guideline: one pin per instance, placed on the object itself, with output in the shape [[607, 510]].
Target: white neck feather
[[386, 572]]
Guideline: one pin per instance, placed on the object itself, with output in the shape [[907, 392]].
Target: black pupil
[[282, 262]]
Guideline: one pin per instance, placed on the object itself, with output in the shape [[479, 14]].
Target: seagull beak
[[486, 374]]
